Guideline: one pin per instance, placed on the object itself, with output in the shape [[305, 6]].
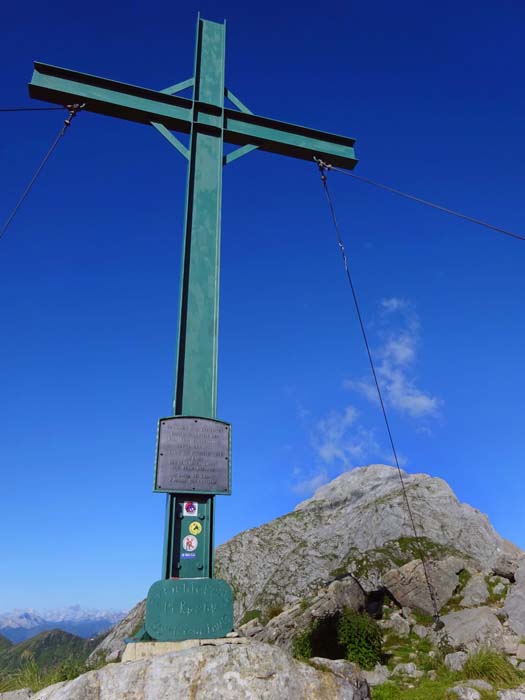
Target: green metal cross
[[209, 122]]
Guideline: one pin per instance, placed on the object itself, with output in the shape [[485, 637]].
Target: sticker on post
[[195, 528], [187, 555], [190, 508], [190, 543]]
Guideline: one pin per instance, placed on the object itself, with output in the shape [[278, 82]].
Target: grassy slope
[[48, 649]]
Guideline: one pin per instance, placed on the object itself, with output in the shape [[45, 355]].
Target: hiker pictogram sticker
[[195, 528], [190, 543]]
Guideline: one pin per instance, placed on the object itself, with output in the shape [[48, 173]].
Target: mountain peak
[[359, 522]]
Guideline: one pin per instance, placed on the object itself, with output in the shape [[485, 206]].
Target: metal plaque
[[192, 608], [193, 455]]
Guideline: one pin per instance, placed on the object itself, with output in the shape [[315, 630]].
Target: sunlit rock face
[[358, 524]]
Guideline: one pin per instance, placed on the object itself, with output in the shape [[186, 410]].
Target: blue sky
[[89, 273]]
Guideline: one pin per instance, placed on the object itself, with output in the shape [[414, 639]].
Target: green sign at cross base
[[210, 122]]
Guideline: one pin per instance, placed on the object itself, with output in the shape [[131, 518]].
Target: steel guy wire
[[30, 109], [73, 111], [426, 202], [438, 624]]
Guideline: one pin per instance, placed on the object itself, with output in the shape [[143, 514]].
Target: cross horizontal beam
[[138, 104]]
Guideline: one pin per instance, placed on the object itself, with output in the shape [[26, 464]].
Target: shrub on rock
[[347, 635]]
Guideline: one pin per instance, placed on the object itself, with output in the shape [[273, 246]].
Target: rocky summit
[[357, 524], [344, 562]]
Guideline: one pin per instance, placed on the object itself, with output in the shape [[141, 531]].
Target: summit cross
[[210, 121]]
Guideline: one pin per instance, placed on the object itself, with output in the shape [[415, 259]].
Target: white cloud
[[340, 440], [307, 483], [331, 435], [340, 443], [393, 304], [302, 410], [394, 360]]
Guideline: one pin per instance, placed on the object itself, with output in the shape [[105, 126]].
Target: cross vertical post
[[196, 375]]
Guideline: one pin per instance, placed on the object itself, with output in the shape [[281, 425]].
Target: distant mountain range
[[19, 625]]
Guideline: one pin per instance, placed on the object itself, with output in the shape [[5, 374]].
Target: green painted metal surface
[[189, 609], [196, 561], [187, 603], [196, 387], [112, 98]]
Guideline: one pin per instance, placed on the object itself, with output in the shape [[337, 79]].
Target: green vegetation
[[250, 615], [346, 635], [5, 643], [392, 553], [31, 675], [422, 618], [464, 577], [486, 665], [495, 598], [398, 649], [48, 649], [273, 611], [47, 658], [454, 603], [360, 636], [492, 667], [427, 689]]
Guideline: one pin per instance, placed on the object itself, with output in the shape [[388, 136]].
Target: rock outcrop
[[281, 629], [229, 672], [473, 628], [350, 546], [515, 602], [409, 587], [356, 524]]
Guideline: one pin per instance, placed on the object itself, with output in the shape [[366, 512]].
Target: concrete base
[[145, 650]]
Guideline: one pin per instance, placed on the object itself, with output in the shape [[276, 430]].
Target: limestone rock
[[346, 593], [506, 565], [478, 683], [397, 624], [346, 670], [358, 523], [472, 628], [49, 692], [475, 592], [463, 692], [379, 675], [22, 694], [515, 601], [510, 644], [409, 669], [228, 672], [112, 646], [512, 694], [456, 660], [145, 650], [408, 584], [520, 652]]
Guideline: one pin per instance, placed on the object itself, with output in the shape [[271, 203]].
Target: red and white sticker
[[190, 508], [190, 543]]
